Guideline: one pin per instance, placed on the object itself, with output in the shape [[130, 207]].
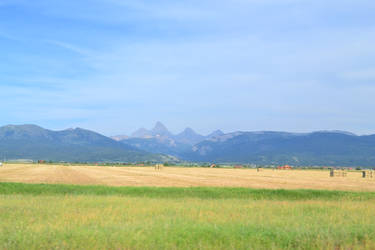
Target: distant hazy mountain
[[330, 148], [160, 130], [33, 142], [161, 140], [158, 146], [142, 133], [333, 148], [189, 136], [214, 134]]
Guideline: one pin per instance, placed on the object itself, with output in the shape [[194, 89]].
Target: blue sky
[[116, 65]]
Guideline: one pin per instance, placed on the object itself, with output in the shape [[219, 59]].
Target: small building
[[286, 167]]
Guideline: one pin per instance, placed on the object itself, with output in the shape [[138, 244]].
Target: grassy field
[[183, 208], [183, 177], [37, 216]]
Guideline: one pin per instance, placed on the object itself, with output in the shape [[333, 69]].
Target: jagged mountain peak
[[216, 133], [159, 126], [189, 136], [188, 131], [160, 130]]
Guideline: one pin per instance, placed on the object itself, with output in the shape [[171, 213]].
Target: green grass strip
[[178, 192]]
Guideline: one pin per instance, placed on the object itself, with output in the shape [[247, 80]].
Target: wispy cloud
[[243, 64], [70, 47]]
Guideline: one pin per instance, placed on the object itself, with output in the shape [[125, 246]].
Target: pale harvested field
[[183, 177]]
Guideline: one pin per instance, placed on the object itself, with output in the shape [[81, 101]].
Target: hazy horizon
[[114, 66], [175, 132]]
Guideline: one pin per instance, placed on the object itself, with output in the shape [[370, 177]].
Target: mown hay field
[[184, 177]]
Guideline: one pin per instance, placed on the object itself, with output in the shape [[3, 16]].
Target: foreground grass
[[76, 217], [178, 192]]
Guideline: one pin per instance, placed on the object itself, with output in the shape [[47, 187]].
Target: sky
[[114, 66]]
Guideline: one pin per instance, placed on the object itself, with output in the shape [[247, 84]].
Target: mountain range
[[332, 148], [160, 131], [160, 140], [36, 143], [322, 148]]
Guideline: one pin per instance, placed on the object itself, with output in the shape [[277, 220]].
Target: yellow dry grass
[[183, 177]]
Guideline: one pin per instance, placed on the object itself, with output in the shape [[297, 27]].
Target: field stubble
[[184, 177]]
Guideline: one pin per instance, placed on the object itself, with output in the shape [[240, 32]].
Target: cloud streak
[[117, 65]]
